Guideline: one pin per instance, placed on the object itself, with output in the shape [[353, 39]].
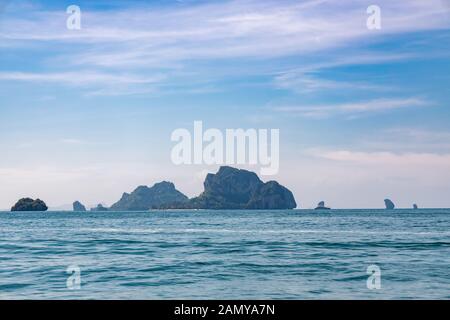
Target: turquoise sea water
[[297, 254]]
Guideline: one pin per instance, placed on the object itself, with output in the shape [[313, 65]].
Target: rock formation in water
[[389, 204], [321, 206], [231, 188], [28, 204], [145, 198], [271, 195], [415, 207], [99, 207], [78, 206]]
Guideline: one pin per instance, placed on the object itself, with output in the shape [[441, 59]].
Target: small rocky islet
[[78, 206], [321, 206], [389, 204], [28, 204], [99, 207]]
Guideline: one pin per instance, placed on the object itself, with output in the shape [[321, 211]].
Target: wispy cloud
[[383, 158], [407, 139], [304, 83], [222, 30], [308, 78], [78, 78], [174, 38], [98, 83], [352, 109]]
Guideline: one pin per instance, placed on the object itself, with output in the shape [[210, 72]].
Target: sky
[[363, 113]]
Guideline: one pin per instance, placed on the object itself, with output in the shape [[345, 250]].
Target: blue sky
[[363, 114]]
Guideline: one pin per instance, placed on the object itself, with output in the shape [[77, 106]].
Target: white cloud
[[306, 78], [221, 30], [304, 83], [404, 139], [172, 39], [384, 158], [352, 109], [78, 78], [99, 83]]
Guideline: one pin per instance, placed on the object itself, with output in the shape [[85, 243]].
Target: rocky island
[[389, 204], [229, 188], [28, 204], [99, 207], [321, 206], [232, 188], [145, 198], [78, 206]]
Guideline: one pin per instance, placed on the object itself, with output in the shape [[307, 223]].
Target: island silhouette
[[229, 188]]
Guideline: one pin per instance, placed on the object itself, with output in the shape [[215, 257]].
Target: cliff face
[[78, 206], [28, 204], [145, 198], [389, 204], [272, 195], [231, 188]]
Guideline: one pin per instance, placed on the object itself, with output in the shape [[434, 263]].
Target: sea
[[292, 254]]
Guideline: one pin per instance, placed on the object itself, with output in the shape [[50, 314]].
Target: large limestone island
[[28, 204], [231, 188], [145, 198]]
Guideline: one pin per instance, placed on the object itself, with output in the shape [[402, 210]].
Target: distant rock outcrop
[[78, 206], [389, 204], [28, 204], [321, 206], [99, 207], [231, 188], [145, 198], [415, 207]]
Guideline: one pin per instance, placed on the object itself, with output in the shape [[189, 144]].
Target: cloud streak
[[78, 78], [222, 30], [352, 109], [98, 83], [174, 39], [384, 158]]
